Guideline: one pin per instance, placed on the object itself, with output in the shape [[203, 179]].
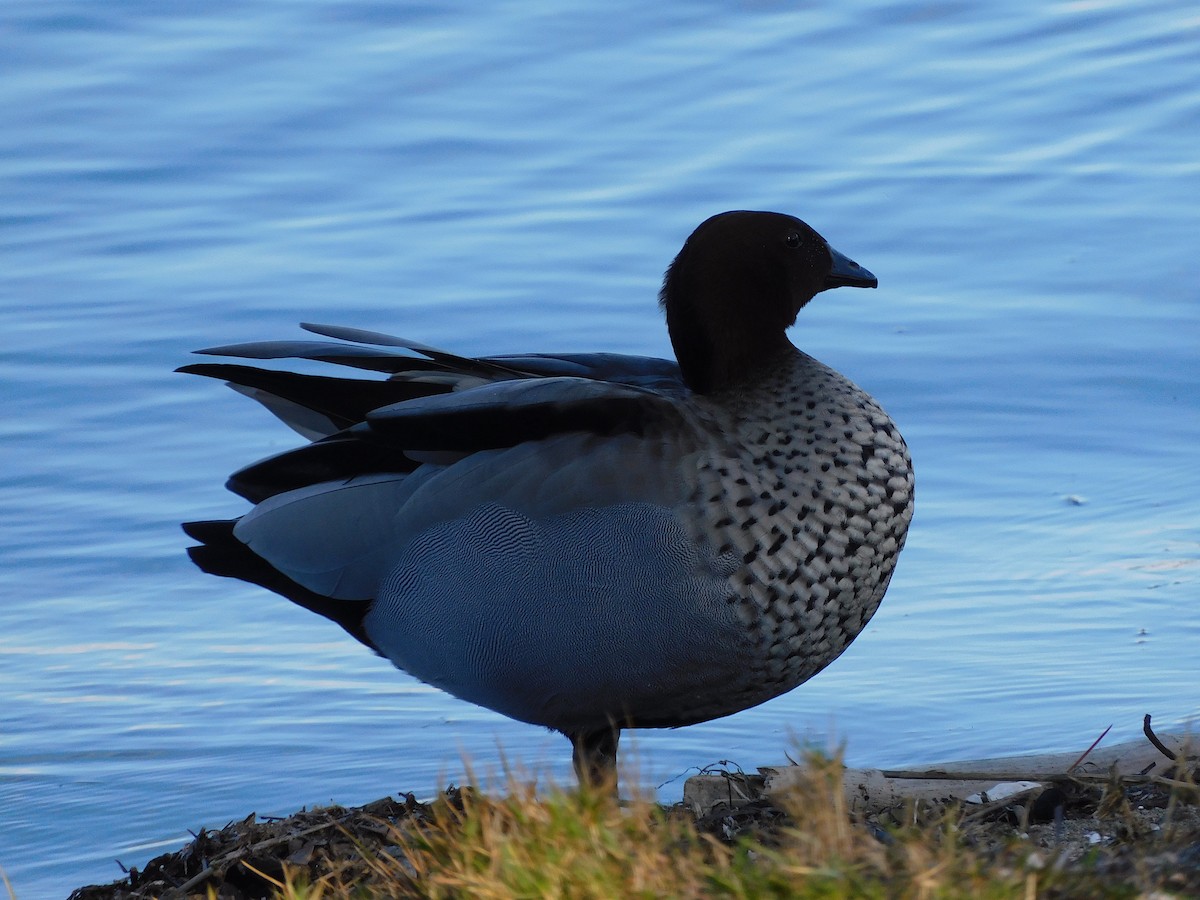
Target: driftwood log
[[1162, 759]]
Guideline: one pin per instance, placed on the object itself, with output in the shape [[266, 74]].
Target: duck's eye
[[792, 239]]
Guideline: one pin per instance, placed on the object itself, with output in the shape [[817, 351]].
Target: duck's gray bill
[[847, 273]]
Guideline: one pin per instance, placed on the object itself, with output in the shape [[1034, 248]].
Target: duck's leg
[[595, 757]]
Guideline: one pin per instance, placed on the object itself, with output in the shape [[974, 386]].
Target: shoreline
[[1129, 832]]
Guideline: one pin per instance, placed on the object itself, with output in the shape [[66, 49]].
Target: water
[[514, 178]]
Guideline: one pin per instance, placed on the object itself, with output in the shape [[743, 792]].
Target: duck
[[588, 542]]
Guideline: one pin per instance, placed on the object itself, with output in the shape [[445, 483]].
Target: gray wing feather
[[568, 621], [504, 413], [342, 538], [332, 538], [308, 423]]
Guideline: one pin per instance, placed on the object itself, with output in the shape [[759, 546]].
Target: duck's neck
[[718, 365]]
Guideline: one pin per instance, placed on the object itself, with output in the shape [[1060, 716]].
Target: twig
[[1176, 783], [1083, 756], [237, 853], [941, 775], [938, 775], [1153, 738], [991, 807]]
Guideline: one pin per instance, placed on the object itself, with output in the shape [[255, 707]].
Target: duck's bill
[[847, 273]]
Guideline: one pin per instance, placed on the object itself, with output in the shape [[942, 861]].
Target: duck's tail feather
[[490, 369], [317, 405], [350, 355], [221, 553]]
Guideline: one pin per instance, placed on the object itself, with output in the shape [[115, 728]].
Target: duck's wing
[[442, 428], [642, 371], [465, 364], [351, 355], [554, 580], [530, 501], [376, 442], [574, 620], [616, 367], [317, 406]]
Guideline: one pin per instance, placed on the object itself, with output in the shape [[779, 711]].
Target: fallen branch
[[871, 791], [1153, 738]]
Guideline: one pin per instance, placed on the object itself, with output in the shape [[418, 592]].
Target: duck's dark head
[[737, 285]]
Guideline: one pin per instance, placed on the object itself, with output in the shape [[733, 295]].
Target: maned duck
[[588, 542]]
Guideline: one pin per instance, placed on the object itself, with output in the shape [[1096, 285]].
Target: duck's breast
[[811, 488]]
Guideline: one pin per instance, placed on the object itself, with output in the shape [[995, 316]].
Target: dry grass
[[584, 845]]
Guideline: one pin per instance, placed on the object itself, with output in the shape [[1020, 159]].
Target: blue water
[[513, 177]]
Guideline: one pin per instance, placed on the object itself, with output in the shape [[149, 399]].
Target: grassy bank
[[568, 844]]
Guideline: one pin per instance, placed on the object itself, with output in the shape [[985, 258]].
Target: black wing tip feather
[[210, 531], [337, 458], [221, 553], [343, 401]]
